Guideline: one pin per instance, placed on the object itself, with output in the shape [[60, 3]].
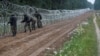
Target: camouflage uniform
[[27, 23], [39, 18], [13, 24], [33, 23]]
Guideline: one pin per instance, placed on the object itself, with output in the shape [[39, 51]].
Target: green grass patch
[[98, 20], [83, 42]]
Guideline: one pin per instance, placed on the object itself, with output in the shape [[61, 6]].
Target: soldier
[[13, 24], [39, 18], [27, 22], [33, 21]]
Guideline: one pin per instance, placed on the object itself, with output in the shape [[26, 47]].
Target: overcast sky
[[92, 1]]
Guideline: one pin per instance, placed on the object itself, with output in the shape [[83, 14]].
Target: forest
[[55, 4], [97, 5]]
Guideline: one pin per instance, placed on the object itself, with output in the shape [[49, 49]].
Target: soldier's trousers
[[14, 30], [27, 25], [33, 26], [39, 24]]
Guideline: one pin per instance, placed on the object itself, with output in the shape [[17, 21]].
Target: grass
[[98, 20], [83, 42]]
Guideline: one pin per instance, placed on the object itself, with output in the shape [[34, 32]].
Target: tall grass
[[83, 42], [98, 20]]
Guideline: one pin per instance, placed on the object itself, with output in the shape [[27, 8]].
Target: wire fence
[[48, 16]]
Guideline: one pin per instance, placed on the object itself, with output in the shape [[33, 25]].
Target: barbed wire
[[49, 16]]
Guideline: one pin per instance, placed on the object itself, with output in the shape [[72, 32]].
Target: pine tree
[[97, 5]]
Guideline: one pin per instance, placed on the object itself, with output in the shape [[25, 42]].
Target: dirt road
[[34, 43]]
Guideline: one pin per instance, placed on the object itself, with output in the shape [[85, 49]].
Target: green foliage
[[97, 4], [83, 42], [54, 4], [98, 20]]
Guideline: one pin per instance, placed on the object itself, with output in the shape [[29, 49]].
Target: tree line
[[97, 5], [55, 4]]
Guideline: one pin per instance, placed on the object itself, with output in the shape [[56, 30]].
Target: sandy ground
[[34, 43], [98, 34]]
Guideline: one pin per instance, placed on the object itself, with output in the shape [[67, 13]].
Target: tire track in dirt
[[37, 52]]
